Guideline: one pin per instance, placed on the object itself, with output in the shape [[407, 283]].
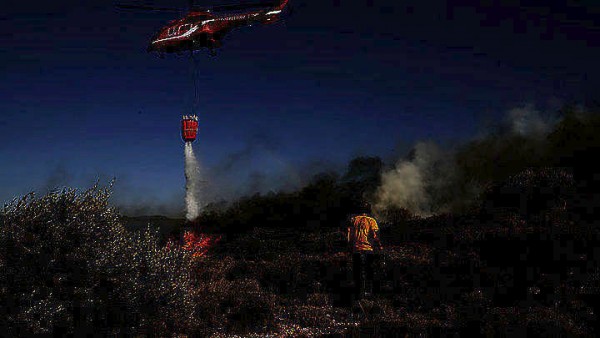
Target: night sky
[[81, 100]]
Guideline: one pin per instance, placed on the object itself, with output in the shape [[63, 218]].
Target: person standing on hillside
[[362, 236]]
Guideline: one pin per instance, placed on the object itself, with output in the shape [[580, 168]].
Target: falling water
[[192, 183]]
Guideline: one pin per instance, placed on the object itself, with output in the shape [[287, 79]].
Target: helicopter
[[205, 27]]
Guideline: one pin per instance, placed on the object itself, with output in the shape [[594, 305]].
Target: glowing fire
[[199, 244]]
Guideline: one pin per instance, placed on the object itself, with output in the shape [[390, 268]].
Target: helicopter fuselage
[[199, 30]]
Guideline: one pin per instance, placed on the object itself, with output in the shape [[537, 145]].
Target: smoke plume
[[259, 167], [432, 181], [417, 184], [527, 121], [192, 183]]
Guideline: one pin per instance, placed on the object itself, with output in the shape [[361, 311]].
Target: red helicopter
[[201, 28], [206, 27]]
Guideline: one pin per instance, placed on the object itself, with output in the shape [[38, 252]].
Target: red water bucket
[[189, 128]]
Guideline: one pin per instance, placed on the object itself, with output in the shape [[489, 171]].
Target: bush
[[70, 267]]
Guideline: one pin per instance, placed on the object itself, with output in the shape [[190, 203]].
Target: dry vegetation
[[523, 261]]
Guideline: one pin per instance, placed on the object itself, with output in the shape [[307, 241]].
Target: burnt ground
[[523, 262], [493, 272]]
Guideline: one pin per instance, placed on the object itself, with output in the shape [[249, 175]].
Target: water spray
[[192, 180]]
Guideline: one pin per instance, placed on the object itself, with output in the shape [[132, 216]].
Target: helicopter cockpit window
[[184, 28]]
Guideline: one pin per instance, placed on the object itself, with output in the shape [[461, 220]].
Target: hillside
[[521, 258]]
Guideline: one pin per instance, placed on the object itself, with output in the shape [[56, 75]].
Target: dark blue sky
[[80, 99]]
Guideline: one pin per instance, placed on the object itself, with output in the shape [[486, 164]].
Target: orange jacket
[[361, 227]]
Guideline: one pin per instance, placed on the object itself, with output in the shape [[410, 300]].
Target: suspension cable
[[194, 70]]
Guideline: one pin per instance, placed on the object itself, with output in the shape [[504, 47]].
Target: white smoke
[[527, 121], [417, 184], [192, 183], [429, 181]]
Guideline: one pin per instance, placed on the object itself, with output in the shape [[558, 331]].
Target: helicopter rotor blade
[[148, 8], [264, 4], [193, 7]]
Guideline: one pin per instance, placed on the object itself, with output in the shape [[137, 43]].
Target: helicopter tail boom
[[282, 4]]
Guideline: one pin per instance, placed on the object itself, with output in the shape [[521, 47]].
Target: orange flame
[[199, 244]]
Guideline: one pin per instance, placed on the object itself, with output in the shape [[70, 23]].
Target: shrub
[[70, 267]]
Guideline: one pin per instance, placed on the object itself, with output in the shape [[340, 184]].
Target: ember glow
[[199, 244]]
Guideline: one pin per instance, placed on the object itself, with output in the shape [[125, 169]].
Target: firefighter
[[362, 236]]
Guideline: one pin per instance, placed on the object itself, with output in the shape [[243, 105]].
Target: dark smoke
[[258, 168], [134, 200], [58, 178]]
